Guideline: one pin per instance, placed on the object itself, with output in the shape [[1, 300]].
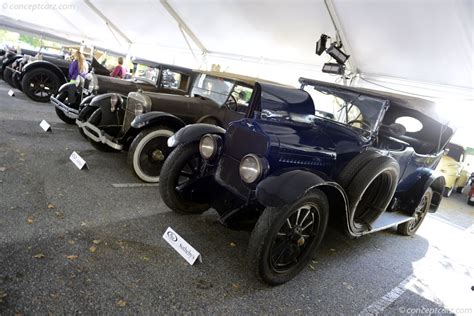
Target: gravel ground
[[71, 242]]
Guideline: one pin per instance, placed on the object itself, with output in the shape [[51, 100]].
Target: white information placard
[[11, 92], [181, 246], [45, 126], [77, 160]]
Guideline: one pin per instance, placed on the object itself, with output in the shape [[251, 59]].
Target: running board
[[387, 220]]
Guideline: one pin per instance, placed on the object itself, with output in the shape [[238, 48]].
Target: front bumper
[[97, 135], [68, 111]]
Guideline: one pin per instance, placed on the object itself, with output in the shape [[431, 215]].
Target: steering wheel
[[361, 122], [231, 103]]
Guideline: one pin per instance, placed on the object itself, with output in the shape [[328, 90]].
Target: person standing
[[119, 71], [78, 67]]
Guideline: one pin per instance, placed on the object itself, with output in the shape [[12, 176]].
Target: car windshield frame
[[136, 77], [350, 99], [198, 79]]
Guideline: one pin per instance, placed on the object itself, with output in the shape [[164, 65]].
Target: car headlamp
[[252, 168], [93, 84], [209, 146]]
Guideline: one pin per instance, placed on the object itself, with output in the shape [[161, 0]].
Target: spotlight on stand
[[337, 54], [333, 68], [321, 44]]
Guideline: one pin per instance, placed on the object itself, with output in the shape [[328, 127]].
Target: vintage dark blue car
[[360, 158]]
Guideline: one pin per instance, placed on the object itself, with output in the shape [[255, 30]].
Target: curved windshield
[[216, 89], [147, 73], [353, 109]]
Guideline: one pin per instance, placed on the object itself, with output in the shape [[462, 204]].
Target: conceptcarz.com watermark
[[37, 6], [434, 310]]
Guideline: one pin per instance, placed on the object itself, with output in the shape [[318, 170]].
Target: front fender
[[67, 86], [156, 118], [104, 100], [287, 186], [426, 178], [45, 64], [193, 132]]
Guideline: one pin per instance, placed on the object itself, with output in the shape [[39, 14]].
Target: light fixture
[[336, 53], [333, 68], [321, 44]]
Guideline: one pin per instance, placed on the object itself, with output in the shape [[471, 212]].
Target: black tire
[[148, 152], [409, 228], [62, 97], [350, 170], [448, 191], [7, 76], [173, 167], [16, 82], [469, 202], [371, 190], [40, 84], [275, 236], [95, 119]]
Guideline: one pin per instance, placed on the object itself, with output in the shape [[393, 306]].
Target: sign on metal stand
[[45, 126], [78, 161], [181, 246]]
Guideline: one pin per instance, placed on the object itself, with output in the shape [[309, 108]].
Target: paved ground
[[52, 213]]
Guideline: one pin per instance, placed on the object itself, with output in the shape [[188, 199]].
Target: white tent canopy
[[417, 46]]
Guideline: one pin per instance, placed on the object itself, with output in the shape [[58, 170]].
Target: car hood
[[318, 146], [123, 86]]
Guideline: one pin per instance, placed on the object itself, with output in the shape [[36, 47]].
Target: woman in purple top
[[119, 71], [78, 67]]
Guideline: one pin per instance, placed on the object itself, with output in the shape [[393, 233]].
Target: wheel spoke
[[309, 224], [288, 222], [304, 218]]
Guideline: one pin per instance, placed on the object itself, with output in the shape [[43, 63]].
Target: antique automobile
[[10, 56], [451, 166], [464, 179], [360, 158], [470, 195], [73, 97], [143, 123], [41, 78], [13, 73]]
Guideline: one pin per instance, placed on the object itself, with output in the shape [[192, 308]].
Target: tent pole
[[107, 21], [183, 26], [340, 35]]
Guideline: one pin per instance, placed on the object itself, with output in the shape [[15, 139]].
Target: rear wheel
[[409, 228], [448, 191], [180, 168], [40, 84], [16, 82], [284, 239], [7, 76], [148, 153]]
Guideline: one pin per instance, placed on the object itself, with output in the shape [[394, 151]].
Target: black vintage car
[[148, 76], [41, 77], [143, 122], [361, 158], [9, 57]]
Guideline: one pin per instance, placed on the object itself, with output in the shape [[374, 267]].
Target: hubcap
[[292, 240], [157, 155]]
